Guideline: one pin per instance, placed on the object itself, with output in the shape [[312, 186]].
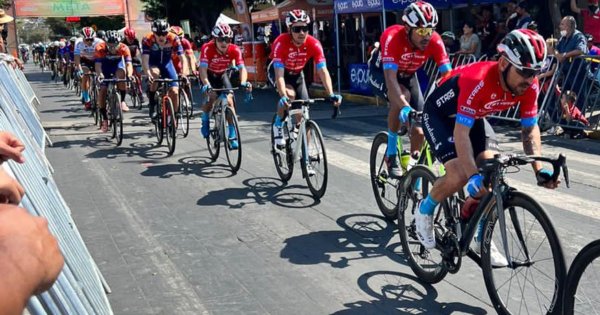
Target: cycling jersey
[[217, 62], [63, 53], [397, 52], [52, 52], [86, 52], [292, 58], [134, 47], [103, 55], [187, 50], [161, 56]]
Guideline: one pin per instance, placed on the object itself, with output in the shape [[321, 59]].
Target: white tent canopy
[[226, 20]]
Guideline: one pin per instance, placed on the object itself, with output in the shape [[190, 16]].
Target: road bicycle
[[186, 106], [534, 276], [114, 111], [304, 143], [385, 187], [222, 117], [583, 282], [165, 124], [93, 92], [134, 90]]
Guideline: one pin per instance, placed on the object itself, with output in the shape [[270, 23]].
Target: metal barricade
[[432, 70], [582, 76], [80, 288]]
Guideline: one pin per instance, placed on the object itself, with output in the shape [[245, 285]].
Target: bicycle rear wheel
[[384, 187], [213, 142], [170, 125], [315, 158], [184, 113], [534, 245], [158, 122], [427, 264], [583, 282], [234, 155], [283, 156]]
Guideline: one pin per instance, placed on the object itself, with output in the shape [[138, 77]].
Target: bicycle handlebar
[[300, 103], [501, 161], [115, 80], [412, 116]]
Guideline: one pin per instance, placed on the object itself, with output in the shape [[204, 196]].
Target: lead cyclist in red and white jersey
[[392, 73], [455, 125], [291, 52]]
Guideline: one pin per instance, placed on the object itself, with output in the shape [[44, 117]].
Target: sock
[[278, 122], [123, 93], [205, 117], [392, 148], [231, 132], [428, 205], [86, 96]]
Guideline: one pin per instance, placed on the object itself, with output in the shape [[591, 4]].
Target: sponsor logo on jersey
[[499, 103], [468, 110], [474, 92], [444, 98]]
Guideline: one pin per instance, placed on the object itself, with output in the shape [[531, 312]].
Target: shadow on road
[[400, 293], [194, 165], [260, 191]]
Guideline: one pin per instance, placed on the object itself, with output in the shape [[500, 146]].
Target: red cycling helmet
[[222, 30], [524, 49], [296, 16], [177, 30], [88, 33], [420, 14], [129, 33]]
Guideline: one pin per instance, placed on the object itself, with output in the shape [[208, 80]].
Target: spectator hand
[[10, 189], [247, 85], [11, 148], [30, 249]]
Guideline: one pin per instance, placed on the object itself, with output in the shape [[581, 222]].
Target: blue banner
[[399, 5], [359, 78], [358, 6]]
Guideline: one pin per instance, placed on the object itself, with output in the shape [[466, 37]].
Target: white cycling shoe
[[496, 258], [424, 225]]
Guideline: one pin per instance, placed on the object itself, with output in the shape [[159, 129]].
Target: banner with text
[[65, 8], [359, 78]]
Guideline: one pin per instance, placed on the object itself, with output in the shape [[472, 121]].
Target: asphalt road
[[183, 235]]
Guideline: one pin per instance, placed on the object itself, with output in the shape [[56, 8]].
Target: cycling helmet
[[222, 30], [178, 31], [55, 43], [296, 16], [589, 37], [129, 32], [73, 39], [113, 37], [160, 27], [61, 44], [88, 33], [420, 14], [524, 49], [101, 34]]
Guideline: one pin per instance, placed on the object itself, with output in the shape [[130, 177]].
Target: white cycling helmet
[[524, 49], [296, 16], [420, 14]]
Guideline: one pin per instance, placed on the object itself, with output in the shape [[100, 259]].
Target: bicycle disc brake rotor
[[452, 258]]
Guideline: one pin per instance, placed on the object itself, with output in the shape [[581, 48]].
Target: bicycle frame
[[302, 137], [218, 107]]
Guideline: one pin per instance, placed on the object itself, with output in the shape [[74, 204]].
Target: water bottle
[[404, 159], [468, 208]]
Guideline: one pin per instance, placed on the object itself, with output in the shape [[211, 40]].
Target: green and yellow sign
[[65, 8]]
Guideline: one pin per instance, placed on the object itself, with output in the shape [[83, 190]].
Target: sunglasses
[[299, 29], [88, 40], [527, 72], [161, 34], [224, 40], [424, 31]]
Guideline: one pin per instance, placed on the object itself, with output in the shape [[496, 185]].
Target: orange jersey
[[102, 53]]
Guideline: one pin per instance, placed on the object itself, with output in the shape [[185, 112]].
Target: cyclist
[[456, 128], [188, 52], [393, 66], [113, 59], [52, 54], [291, 51], [157, 48], [101, 34], [63, 60], [136, 57], [24, 53], [41, 51], [85, 49], [216, 57]]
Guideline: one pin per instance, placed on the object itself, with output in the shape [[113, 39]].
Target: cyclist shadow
[[106, 148], [199, 166], [364, 236], [259, 191], [399, 293]]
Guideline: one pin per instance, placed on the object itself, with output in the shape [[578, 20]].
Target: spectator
[[591, 18], [450, 42], [571, 115], [513, 16], [469, 41], [523, 13], [487, 32], [572, 43], [4, 18], [592, 48]]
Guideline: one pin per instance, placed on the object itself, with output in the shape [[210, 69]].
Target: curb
[[350, 97]]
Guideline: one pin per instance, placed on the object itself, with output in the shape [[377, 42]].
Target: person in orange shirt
[[113, 59]]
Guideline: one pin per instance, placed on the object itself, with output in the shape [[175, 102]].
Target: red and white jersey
[[473, 91], [286, 54], [85, 51], [398, 53], [217, 62]]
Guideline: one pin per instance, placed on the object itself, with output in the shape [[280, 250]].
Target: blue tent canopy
[[358, 6]]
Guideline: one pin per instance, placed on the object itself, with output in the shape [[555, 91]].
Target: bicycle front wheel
[[117, 119], [233, 150], [314, 160], [583, 282], [282, 155], [184, 113], [384, 186], [427, 264], [158, 122], [534, 281], [213, 142], [95, 107], [170, 125]]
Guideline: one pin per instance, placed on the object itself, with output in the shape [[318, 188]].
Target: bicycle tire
[[118, 119], [158, 122], [234, 156], [213, 142], [113, 100], [133, 97], [284, 158], [184, 116], [170, 125], [319, 159], [549, 305], [415, 185], [384, 187], [95, 107], [582, 261]]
